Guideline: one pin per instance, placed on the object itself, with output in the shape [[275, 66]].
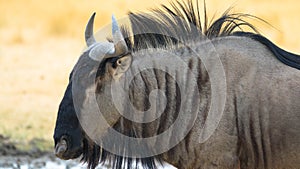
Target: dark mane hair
[[171, 26], [182, 22]]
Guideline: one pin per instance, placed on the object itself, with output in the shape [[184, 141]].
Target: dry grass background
[[40, 41]]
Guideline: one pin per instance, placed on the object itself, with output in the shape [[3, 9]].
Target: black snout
[[68, 135], [61, 147], [67, 148]]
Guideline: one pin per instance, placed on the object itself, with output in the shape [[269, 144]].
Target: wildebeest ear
[[121, 66]]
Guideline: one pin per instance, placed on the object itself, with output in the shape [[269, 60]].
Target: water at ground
[[11, 157], [46, 161]]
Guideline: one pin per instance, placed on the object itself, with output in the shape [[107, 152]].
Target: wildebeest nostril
[[61, 147]]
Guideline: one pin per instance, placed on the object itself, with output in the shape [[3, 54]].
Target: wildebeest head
[[106, 61]]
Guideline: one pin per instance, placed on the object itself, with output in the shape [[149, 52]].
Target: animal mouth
[[62, 149]]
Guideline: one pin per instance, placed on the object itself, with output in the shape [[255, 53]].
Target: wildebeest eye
[[114, 62]]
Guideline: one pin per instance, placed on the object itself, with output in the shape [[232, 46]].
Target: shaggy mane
[[182, 23]]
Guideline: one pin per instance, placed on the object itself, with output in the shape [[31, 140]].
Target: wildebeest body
[[259, 127]]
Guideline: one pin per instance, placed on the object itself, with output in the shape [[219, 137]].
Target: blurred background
[[40, 41]]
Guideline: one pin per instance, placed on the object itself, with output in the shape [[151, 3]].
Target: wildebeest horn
[[120, 44], [89, 31], [103, 50]]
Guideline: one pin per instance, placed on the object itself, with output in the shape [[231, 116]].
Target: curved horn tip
[[115, 26], [118, 39], [89, 31]]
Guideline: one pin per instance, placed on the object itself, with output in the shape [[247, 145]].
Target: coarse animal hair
[[172, 26]]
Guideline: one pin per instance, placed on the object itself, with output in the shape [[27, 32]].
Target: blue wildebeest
[[260, 120]]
